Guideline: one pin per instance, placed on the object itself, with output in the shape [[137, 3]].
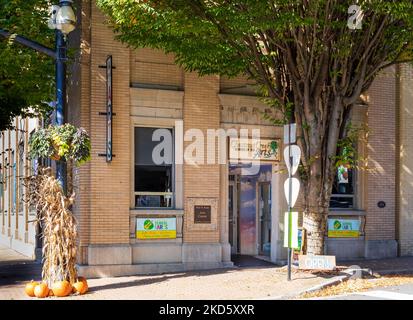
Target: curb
[[402, 271], [331, 282]]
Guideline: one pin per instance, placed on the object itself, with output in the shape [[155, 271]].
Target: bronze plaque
[[202, 214]]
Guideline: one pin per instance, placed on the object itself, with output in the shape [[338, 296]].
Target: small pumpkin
[[29, 289], [51, 294], [80, 286], [69, 289], [61, 288], [41, 290], [83, 279]]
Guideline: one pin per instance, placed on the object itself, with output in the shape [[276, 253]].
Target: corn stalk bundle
[[58, 223]]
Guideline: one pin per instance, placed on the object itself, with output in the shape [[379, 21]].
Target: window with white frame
[[153, 180], [342, 195]]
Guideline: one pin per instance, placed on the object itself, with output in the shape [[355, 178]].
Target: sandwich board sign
[[307, 262]]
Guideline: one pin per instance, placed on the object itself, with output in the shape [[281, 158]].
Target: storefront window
[[343, 188], [153, 182]]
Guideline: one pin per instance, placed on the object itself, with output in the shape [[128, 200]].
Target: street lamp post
[[63, 20]]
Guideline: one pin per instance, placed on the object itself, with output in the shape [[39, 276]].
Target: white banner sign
[[294, 229]]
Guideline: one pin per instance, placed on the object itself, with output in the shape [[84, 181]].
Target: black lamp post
[[64, 23], [63, 20]]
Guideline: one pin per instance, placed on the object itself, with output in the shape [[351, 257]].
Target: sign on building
[[343, 228], [202, 214], [316, 262], [156, 228], [254, 149]]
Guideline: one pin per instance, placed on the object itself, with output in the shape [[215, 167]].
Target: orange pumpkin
[[80, 286], [41, 290], [61, 288], [29, 289], [69, 289], [82, 279], [51, 294]]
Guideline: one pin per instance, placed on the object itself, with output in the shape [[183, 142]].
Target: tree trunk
[[320, 177], [315, 214], [315, 225]]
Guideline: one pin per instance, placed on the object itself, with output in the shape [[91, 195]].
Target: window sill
[[156, 212], [360, 238]]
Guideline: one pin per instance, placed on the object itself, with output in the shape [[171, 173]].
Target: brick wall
[[109, 182], [381, 177], [405, 219], [201, 111], [150, 66]]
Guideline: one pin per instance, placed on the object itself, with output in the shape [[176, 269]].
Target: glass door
[[264, 218], [233, 214]]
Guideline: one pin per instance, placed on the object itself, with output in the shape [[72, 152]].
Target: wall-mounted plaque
[[202, 214]]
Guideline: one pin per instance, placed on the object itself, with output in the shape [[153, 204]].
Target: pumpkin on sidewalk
[[41, 290], [80, 285], [61, 288], [29, 289]]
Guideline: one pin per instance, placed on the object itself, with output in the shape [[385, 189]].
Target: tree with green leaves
[[311, 58], [26, 76]]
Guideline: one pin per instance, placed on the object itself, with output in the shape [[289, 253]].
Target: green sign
[[343, 228]]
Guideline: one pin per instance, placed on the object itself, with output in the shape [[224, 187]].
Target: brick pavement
[[226, 284], [247, 282]]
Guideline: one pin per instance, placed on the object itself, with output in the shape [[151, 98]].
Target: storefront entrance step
[[241, 260], [102, 271]]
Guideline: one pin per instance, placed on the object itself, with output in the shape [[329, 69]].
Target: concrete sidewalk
[[221, 284], [9, 256], [251, 279], [245, 281]]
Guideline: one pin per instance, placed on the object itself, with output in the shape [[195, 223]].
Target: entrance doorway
[[249, 211]]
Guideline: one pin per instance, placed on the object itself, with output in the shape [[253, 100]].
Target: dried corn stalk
[[59, 231]]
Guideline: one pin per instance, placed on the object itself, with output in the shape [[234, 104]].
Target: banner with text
[[156, 228]]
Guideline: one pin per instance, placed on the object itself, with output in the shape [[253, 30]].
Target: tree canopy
[[26, 76], [312, 59]]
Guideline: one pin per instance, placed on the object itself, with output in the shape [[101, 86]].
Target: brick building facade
[[245, 211]]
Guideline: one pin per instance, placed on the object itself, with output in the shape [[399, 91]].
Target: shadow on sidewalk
[[11, 274]]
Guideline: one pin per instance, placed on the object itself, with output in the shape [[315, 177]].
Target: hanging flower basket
[[65, 142], [55, 156]]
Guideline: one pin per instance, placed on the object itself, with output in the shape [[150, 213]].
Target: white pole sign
[[295, 189], [295, 152], [290, 133], [294, 229]]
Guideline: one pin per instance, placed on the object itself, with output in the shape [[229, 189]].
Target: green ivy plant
[[65, 142], [347, 156]]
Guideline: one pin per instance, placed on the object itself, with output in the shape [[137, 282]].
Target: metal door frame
[[234, 215], [257, 214]]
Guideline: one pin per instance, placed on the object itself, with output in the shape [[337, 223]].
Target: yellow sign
[[343, 233], [156, 228], [156, 234], [343, 228]]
